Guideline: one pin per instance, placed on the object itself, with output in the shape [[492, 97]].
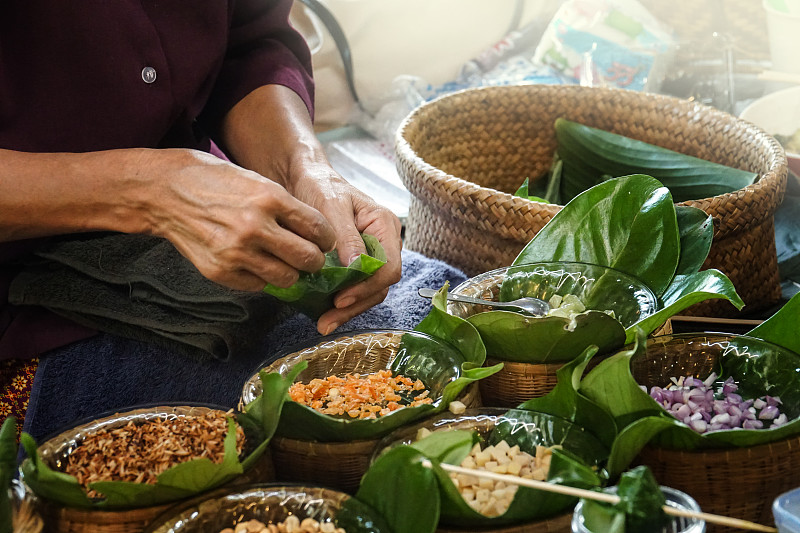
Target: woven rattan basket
[[482, 420], [516, 382], [338, 465], [737, 482], [60, 519], [267, 503], [463, 155]]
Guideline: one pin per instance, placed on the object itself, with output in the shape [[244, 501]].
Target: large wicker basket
[[737, 482], [339, 465], [61, 519], [462, 156]]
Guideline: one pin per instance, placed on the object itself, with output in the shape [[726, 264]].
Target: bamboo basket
[[516, 382], [268, 503], [483, 420], [61, 519], [736, 482], [339, 465], [463, 155]]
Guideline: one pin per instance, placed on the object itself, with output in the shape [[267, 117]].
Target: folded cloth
[[107, 373], [142, 288]]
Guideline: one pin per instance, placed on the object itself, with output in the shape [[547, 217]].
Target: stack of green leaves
[[312, 294], [586, 156], [184, 480], [630, 224], [446, 358]]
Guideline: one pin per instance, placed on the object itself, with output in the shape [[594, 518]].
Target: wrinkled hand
[[351, 213], [237, 227]]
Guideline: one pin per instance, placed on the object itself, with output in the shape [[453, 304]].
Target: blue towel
[[108, 373]]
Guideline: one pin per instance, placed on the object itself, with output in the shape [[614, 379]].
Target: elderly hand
[[351, 213], [270, 131]]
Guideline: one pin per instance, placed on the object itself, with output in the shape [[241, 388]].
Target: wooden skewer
[[601, 496]]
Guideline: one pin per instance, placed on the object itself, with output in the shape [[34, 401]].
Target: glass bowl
[[675, 498], [597, 287], [267, 503]]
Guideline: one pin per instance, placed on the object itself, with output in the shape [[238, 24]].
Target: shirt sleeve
[[263, 49]]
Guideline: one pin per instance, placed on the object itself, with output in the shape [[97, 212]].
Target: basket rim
[[470, 195]]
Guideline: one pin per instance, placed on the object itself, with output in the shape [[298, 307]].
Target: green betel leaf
[[782, 328], [265, 411], [696, 231], [685, 291], [512, 336], [589, 154], [565, 402], [48, 483], [313, 292], [402, 490], [450, 446], [358, 517], [626, 223], [8, 465], [452, 329]]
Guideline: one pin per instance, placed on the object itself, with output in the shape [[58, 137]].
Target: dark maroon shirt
[[86, 75]]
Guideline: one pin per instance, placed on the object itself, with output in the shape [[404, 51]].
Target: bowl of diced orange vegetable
[[358, 387]]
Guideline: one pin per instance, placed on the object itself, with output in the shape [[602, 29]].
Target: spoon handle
[[428, 293]]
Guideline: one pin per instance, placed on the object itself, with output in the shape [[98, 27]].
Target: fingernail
[[353, 258], [331, 327]]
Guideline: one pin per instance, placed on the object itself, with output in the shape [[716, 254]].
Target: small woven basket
[[463, 155], [482, 420], [516, 382], [338, 465], [737, 482], [60, 519], [267, 503]]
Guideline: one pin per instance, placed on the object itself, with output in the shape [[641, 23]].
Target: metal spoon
[[528, 306]]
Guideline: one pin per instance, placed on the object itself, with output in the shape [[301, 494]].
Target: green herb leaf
[[641, 500], [312, 294]]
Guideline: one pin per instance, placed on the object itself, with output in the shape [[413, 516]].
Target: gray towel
[[141, 287]]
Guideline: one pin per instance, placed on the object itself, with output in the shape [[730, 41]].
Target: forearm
[[270, 131], [49, 194]]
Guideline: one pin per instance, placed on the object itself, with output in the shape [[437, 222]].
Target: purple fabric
[[71, 80]]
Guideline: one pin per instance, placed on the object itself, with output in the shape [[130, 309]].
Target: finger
[[335, 317], [387, 275], [308, 223], [291, 249]]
